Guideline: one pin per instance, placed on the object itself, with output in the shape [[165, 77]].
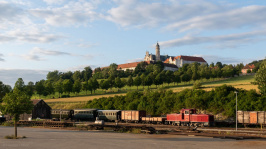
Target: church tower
[[158, 52]]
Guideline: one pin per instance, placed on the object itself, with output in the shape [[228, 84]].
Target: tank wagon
[[190, 118], [132, 115], [63, 113], [251, 117], [85, 114], [109, 115]]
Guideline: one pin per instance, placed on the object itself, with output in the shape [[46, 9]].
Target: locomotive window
[[186, 112]]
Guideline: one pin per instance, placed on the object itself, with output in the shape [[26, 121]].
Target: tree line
[[161, 102], [111, 77]]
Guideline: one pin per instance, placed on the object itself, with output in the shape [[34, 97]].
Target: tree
[[77, 86], [137, 81], [4, 89], [105, 85], [176, 77], [95, 84], [67, 86], [20, 85], [169, 77], [142, 77], [86, 73], [130, 81], [118, 83], [53, 76], [77, 75], [40, 87], [16, 103], [30, 88], [59, 87], [148, 80], [49, 87], [158, 80], [260, 78], [90, 85]]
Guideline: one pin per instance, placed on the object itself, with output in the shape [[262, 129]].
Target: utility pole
[[236, 108]]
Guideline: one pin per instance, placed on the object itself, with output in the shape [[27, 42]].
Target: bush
[[197, 85], [65, 96]]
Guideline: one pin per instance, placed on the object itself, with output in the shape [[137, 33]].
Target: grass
[[13, 137], [207, 84]]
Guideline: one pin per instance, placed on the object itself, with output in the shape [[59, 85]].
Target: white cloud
[[51, 2], [141, 14], [250, 16], [36, 54], [29, 36], [39, 54], [73, 13], [223, 41]]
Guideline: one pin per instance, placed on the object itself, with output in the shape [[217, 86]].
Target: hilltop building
[[171, 63], [179, 61]]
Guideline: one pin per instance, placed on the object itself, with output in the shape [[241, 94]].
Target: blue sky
[[46, 35]]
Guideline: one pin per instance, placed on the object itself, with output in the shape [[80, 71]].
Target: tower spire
[[158, 55]]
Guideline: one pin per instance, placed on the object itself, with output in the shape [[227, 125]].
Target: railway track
[[220, 132]]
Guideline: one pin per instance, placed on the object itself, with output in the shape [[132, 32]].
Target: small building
[[246, 68], [40, 110]]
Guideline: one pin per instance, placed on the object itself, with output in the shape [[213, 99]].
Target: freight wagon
[[188, 117], [132, 115], [251, 117], [154, 120]]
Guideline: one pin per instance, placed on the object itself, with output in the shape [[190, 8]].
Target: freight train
[[186, 117], [251, 117]]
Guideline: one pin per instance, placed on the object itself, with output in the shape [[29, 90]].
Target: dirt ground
[[69, 139]]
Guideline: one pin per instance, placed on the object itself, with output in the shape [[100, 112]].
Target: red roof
[[191, 58], [249, 66], [127, 65]]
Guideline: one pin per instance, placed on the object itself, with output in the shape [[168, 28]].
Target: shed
[[40, 110]]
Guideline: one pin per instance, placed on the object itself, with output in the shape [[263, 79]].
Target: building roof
[[35, 101], [186, 58], [170, 65], [127, 65], [249, 66], [190, 58]]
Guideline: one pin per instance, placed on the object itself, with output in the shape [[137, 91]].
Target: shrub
[[197, 85]]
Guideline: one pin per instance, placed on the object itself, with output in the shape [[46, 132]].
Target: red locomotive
[[190, 118]]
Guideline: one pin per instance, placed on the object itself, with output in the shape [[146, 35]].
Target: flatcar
[[85, 114], [153, 120], [190, 118], [132, 115], [109, 115], [62, 113], [251, 117]]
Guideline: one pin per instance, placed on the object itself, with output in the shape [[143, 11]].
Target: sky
[[67, 35]]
